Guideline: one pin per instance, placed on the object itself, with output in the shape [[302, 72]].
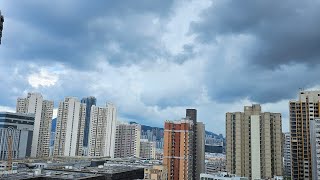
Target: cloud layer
[[155, 58]]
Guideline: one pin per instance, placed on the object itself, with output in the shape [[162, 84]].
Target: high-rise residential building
[[70, 128], [286, 155], [254, 143], [147, 149], [127, 140], [198, 165], [43, 111], [178, 149], [89, 101], [20, 127], [302, 111], [315, 147], [102, 131]]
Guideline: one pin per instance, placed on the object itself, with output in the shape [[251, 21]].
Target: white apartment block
[[315, 147], [70, 128], [127, 140], [147, 149], [43, 111], [102, 131]]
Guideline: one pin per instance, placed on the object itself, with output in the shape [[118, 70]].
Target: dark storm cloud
[[64, 31], [285, 32]]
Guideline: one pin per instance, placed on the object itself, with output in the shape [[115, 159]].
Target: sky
[[155, 58]]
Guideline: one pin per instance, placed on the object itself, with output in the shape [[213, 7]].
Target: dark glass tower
[[192, 115], [89, 101], [1, 25]]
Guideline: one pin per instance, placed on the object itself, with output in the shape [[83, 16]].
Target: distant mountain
[[145, 128], [220, 136]]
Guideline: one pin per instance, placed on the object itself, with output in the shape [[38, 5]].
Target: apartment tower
[[43, 111], [178, 149], [254, 143], [70, 128], [102, 131], [315, 147], [147, 149], [89, 101], [302, 111], [127, 140]]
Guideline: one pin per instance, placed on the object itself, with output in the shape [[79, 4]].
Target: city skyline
[[156, 59]]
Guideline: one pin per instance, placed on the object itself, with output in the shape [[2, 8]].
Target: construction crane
[[10, 131]]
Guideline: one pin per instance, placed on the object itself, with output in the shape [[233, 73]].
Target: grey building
[[89, 101], [198, 147], [286, 154], [22, 130]]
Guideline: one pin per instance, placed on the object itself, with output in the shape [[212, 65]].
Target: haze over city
[[154, 59]]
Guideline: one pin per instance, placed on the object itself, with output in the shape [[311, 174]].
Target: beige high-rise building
[[102, 131], [147, 149], [302, 112], [127, 140], [254, 143], [43, 111], [70, 128]]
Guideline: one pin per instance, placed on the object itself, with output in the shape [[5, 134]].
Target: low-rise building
[[16, 129], [156, 172], [221, 176]]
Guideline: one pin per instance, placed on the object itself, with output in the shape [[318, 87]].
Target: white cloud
[[6, 109], [43, 78], [177, 28]]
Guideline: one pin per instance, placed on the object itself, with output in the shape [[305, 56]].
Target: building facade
[[127, 142], [70, 128], [178, 149], [302, 111], [315, 147], [286, 155], [254, 143], [102, 131], [89, 101], [43, 112], [20, 128], [147, 149], [156, 172]]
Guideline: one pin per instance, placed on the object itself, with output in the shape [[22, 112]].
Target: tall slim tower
[[286, 155], [303, 111], [102, 131], [70, 128], [1, 25], [43, 111], [198, 146], [89, 101], [254, 143]]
